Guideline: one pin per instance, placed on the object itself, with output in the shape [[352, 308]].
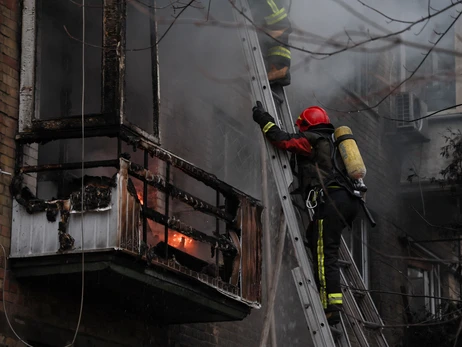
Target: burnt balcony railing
[[140, 211]]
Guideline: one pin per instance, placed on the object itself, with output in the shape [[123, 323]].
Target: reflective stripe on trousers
[[326, 298], [321, 272], [335, 299]]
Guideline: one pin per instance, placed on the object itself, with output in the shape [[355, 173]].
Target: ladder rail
[[261, 91], [364, 308], [344, 340], [353, 315], [359, 313]]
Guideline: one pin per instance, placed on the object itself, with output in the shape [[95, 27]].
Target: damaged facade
[[172, 187]]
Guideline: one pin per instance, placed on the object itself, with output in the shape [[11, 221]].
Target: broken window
[[140, 68], [58, 89]]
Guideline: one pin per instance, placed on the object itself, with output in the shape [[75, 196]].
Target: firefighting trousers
[[324, 235], [272, 16]]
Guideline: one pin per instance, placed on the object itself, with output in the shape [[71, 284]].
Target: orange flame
[[180, 241], [140, 197]]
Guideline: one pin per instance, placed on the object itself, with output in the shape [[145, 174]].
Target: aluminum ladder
[[361, 316], [279, 161]]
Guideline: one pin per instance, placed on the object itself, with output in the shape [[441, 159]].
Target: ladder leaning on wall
[[360, 314]]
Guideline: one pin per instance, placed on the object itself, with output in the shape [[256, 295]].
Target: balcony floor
[[154, 293]]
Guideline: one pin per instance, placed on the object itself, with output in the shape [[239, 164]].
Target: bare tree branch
[[405, 80], [384, 15]]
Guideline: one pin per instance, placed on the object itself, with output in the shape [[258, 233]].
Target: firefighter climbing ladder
[[361, 314]]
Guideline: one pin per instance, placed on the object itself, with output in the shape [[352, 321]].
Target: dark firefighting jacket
[[316, 162]]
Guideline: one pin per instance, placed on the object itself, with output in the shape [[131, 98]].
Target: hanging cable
[[82, 185], [82, 211]]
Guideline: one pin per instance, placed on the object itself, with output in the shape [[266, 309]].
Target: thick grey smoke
[[347, 26]]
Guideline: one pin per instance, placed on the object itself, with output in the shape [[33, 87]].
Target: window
[[360, 82], [357, 242], [119, 86], [424, 287], [424, 282], [59, 60], [120, 96]]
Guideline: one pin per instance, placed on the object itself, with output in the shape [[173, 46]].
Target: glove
[[260, 115]]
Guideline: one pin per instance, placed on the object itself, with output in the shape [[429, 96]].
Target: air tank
[[350, 153]]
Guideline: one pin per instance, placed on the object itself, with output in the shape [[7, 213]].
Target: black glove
[[260, 115]]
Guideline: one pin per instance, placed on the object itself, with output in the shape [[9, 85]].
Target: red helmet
[[311, 116]]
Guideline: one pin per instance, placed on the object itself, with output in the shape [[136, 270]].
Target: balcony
[[137, 248]]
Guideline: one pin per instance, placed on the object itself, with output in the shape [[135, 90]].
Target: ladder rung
[[336, 331], [277, 97], [359, 294], [344, 263], [372, 325]]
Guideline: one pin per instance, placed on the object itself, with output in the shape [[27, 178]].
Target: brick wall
[[39, 313], [9, 87]]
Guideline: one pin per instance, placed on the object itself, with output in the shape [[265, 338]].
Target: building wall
[[9, 87], [40, 313]]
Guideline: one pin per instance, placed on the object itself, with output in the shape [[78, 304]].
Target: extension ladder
[[360, 316]]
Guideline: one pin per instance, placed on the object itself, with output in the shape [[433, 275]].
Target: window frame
[[112, 117], [360, 230], [432, 278]]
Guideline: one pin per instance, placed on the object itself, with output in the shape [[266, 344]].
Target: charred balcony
[[131, 231], [156, 230]]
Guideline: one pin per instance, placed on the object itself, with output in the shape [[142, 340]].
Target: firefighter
[[327, 190], [271, 16]]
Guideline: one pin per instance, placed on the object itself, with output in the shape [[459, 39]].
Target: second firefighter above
[[271, 16], [327, 190]]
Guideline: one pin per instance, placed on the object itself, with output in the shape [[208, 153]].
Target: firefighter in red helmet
[[326, 190]]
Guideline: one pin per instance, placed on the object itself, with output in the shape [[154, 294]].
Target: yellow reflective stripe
[[273, 6], [275, 20], [335, 298], [276, 17], [315, 195], [281, 51], [336, 295], [268, 126], [321, 275]]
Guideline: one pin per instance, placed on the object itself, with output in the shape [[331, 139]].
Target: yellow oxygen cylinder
[[350, 153]]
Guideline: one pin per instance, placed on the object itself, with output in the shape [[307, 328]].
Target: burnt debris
[[66, 241], [97, 196]]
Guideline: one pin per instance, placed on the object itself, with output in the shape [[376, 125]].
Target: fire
[[140, 197], [180, 241]]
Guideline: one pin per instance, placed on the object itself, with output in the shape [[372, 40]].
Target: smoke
[[349, 23], [206, 107]]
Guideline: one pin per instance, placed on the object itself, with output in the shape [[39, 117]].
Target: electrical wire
[[82, 210], [82, 186]]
